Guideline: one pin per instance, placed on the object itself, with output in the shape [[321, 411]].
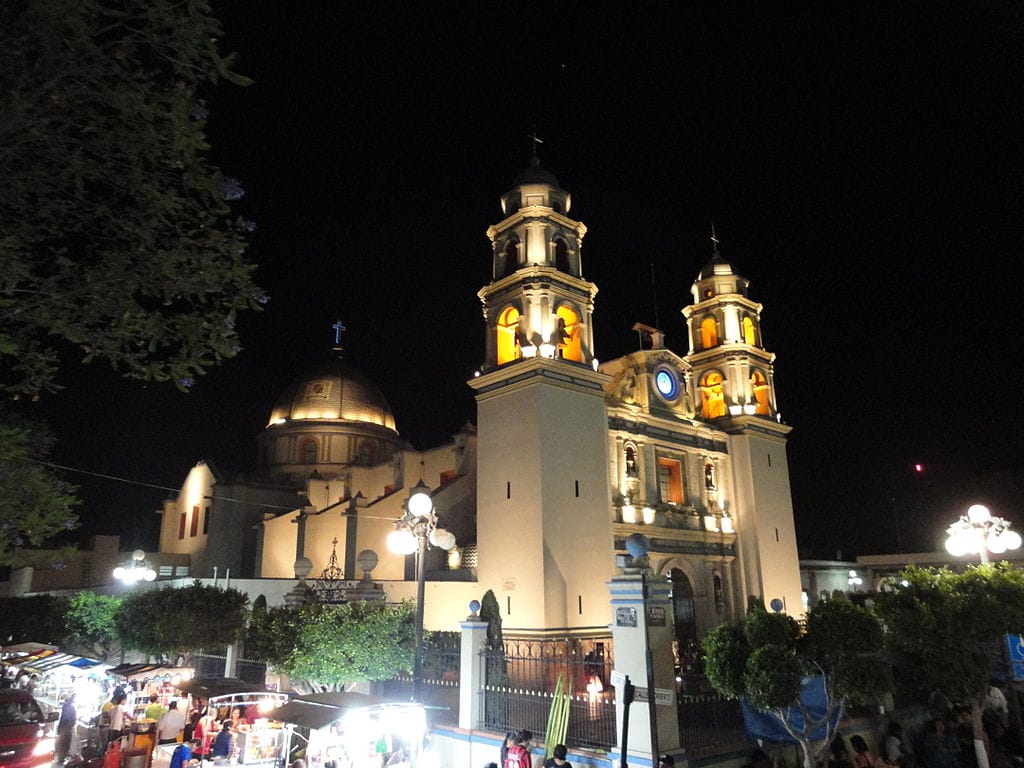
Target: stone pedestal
[[640, 621]]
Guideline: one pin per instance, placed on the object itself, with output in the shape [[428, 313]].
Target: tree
[[958, 618], [34, 503], [117, 239], [177, 621], [91, 622], [33, 619], [327, 646], [769, 659]]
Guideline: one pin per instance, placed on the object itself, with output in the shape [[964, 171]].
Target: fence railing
[[440, 690], [521, 678], [708, 722]]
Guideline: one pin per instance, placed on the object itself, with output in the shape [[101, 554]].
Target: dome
[[717, 266], [535, 174], [336, 392]]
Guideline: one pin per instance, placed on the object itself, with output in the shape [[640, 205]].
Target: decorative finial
[[714, 240], [535, 139]]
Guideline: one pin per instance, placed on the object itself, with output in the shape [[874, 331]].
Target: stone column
[[639, 619]]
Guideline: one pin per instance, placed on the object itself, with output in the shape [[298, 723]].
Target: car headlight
[[43, 747]]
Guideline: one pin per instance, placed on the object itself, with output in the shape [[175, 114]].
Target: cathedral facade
[[569, 457]]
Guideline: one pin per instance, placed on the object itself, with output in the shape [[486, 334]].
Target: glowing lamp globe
[[956, 546], [978, 513], [401, 541], [419, 503]]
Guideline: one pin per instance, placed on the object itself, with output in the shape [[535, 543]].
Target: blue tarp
[[761, 725]]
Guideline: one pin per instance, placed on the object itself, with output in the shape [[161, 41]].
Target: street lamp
[[414, 531], [979, 532], [135, 570]]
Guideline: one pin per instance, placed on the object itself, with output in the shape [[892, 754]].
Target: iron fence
[[708, 722], [440, 689], [521, 678]]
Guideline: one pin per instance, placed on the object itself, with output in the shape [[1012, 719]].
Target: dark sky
[[857, 161]]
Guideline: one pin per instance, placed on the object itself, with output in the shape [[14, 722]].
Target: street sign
[[1015, 645], [662, 696], [617, 678]]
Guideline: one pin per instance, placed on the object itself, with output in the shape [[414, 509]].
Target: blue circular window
[[666, 383]]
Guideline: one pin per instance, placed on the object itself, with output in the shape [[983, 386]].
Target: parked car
[[26, 732]]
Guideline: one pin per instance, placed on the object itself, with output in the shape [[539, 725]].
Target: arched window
[[562, 257], [708, 333], [712, 395], [760, 386], [632, 470], [567, 334], [748, 332], [709, 476], [510, 259], [683, 612], [508, 342], [308, 451]]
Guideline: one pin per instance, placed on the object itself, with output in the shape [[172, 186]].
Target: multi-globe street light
[[979, 532], [414, 531], [135, 570]]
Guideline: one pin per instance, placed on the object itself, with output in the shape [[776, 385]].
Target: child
[[558, 760]]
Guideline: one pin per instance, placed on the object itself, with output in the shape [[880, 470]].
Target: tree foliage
[[91, 622], [116, 234], [33, 619], [766, 658], [958, 618], [327, 646], [35, 504], [177, 621]]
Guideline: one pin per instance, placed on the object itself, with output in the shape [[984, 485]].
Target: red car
[[26, 733]]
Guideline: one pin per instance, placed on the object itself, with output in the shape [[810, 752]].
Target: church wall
[[279, 535], [764, 519], [193, 500], [544, 521]]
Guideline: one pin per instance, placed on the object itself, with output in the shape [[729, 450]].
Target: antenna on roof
[[654, 293]]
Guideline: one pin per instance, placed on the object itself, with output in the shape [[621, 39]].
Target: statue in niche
[[626, 391]]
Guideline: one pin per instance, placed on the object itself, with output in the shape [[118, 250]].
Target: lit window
[[712, 395], [670, 481], [708, 333], [567, 334], [748, 331], [760, 386], [508, 340]]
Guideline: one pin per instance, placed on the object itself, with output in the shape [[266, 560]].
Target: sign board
[[1015, 644], [655, 616], [617, 678], [625, 616], [662, 696]]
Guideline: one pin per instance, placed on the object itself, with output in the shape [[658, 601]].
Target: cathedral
[[568, 458]]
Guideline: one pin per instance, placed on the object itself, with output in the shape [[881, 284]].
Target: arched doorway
[[682, 607]]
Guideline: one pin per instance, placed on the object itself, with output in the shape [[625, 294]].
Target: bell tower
[[537, 304], [733, 387], [544, 521]]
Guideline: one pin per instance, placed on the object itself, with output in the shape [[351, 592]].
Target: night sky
[[856, 161]]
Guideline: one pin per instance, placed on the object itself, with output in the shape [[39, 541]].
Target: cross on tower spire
[[339, 328], [714, 239], [532, 136]]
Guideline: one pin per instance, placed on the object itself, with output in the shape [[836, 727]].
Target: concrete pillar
[[636, 620], [472, 671]]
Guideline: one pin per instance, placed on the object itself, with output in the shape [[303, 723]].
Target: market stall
[[256, 739], [354, 730]]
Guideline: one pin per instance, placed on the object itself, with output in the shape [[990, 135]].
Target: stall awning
[[39, 658], [205, 687], [318, 710], [150, 671]]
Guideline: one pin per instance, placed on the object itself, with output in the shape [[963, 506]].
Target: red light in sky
[[919, 467]]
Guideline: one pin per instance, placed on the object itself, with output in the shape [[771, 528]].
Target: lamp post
[[979, 532], [415, 531], [135, 570]]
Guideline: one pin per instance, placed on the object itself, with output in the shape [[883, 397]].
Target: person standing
[[222, 745], [171, 724], [65, 729], [154, 710], [119, 718], [557, 760]]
